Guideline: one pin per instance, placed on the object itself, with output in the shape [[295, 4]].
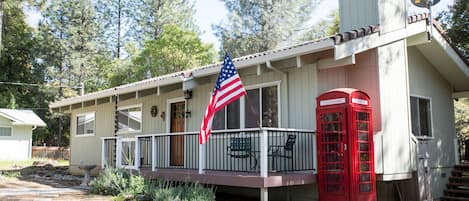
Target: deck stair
[[457, 188]]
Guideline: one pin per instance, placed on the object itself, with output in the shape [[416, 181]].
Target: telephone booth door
[[333, 155], [345, 146]]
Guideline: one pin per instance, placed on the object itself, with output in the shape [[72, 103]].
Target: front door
[[177, 126]]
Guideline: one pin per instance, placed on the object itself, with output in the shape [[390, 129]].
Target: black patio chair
[[283, 151], [240, 147]]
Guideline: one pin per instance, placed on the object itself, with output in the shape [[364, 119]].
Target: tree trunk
[[119, 11], [1, 25]]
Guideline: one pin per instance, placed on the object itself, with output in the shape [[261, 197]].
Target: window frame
[[11, 131], [242, 105], [76, 126], [141, 120], [429, 114]]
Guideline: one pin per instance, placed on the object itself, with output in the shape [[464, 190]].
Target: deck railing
[[259, 150]]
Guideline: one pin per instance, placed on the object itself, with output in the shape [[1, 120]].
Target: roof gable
[[22, 117]]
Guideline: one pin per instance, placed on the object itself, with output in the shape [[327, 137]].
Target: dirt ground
[[44, 183]]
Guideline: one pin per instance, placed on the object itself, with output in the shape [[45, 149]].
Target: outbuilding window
[[85, 124], [5, 131], [421, 116]]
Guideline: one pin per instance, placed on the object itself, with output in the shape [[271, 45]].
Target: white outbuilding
[[16, 128]]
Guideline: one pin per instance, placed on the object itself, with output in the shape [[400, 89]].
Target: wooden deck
[[238, 179]]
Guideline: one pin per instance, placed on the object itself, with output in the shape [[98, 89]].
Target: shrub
[[115, 181], [123, 185], [168, 191]]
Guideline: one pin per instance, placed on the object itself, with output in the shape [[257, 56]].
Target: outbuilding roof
[[22, 117]]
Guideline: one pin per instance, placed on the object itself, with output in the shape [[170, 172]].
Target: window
[[421, 116], [85, 124], [130, 119], [5, 131], [128, 153], [260, 109]]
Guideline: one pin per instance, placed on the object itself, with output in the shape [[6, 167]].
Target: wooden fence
[[51, 152]]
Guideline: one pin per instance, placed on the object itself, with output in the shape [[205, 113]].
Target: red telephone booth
[[345, 146]]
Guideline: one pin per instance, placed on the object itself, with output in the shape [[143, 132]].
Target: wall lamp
[[187, 94]]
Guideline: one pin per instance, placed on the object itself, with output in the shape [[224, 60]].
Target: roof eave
[[242, 62]]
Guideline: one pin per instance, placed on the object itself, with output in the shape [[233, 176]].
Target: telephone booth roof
[[343, 96]]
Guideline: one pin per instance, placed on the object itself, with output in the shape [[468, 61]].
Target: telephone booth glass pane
[[332, 164], [363, 130]]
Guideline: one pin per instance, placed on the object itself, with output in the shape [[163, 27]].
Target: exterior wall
[[16, 147], [295, 82], [426, 81], [88, 148], [393, 159]]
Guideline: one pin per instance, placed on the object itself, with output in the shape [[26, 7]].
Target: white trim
[[374, 40], [431, 117], [265, 84], [168, 127], [168, 112], [76, 125], [140, 105], [461, 94], [451, 52], [130, 140]]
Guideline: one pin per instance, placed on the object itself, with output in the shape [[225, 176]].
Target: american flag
[[227, 89]]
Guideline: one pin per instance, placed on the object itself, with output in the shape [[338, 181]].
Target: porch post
[[315, 153], [263, 153], [202, 158], [118, 152], [153, 153], [137, 153], [264, 194], [103, 153]]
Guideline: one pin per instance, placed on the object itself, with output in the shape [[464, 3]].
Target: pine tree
[[256, 26], [117, 19], [153, 15]]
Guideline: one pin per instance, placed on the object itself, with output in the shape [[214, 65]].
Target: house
[[406, 66], [16, 128]]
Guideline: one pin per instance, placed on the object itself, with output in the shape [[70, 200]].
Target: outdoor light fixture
[[187, 94], [188, 114], [163, 115]]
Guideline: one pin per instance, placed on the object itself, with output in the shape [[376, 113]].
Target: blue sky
[[213, 12]]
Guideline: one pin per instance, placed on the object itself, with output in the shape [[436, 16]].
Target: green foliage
[[461, 107], [153, 15], [256, 26], [175, 50], [168, 191], [324, 28], [115, 181], [455, 22]]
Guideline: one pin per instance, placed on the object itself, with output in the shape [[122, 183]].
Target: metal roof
[[22, 117], [240, 62]]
